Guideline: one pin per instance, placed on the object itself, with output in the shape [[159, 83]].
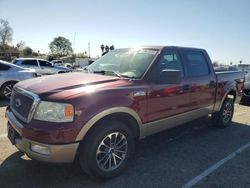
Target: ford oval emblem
[[18, 102]]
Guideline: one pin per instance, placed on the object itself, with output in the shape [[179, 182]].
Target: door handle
[[186, 88], [212, 84]]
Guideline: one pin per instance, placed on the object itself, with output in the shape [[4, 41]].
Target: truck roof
[[30, 58], [160, 47]]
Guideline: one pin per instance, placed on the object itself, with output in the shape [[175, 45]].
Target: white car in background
[[42, 67], [60, 63], [11, 74]]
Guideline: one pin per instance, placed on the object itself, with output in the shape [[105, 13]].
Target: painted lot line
[[215, 166]]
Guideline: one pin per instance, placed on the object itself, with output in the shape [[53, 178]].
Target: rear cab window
[[196, 63]]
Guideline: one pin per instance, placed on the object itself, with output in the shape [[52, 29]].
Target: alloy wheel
[[227, 112], [7, 90], [112, 151]]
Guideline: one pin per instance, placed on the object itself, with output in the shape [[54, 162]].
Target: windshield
[[130, 63]]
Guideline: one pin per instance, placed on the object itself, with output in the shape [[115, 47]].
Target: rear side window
[[196, 64], [4, 67], [45, 63], [30, 62]]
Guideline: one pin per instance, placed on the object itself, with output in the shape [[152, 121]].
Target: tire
[[6, 89], [223, 118], [102, 162]]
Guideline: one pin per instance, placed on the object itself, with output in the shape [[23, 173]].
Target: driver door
[[165, 100]]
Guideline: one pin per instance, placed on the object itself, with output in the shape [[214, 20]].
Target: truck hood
[[69, 84]]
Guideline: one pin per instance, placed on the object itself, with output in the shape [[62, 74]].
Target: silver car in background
[[42, 67], [11, 74]]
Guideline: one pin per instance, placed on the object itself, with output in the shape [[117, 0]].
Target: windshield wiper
[[108, 72]]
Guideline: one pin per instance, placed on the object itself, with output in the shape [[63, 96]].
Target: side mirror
[[170, 76]]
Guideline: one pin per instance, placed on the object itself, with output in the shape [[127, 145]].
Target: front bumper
[[60, 153]]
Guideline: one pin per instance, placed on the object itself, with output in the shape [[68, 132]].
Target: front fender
[[105, 113]]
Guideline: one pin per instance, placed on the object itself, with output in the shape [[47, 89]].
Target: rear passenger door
[[202, 79]]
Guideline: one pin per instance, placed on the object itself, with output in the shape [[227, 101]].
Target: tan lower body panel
[[57, 153], [170, 122]]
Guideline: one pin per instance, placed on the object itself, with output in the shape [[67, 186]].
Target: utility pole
[[89, 48], [74, 43]]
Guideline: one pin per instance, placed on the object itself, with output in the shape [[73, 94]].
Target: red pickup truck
[[127, 94]]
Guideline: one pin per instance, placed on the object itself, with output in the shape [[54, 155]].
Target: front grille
[[22, 104]]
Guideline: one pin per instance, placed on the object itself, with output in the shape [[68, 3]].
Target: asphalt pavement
[[195, 154]]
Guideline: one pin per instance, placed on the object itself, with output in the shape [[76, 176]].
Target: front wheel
[[106, 150], [223, 118], [6, 89]]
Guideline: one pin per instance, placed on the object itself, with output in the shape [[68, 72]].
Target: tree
[[61, 46], [102, 47], [20, 45], [106, 48], [215, 64], [6, 32], [27, 51], [112, 47]]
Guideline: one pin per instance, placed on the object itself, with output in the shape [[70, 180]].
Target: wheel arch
[[4, 85], [9, 81], [231, 93], [126, 115]]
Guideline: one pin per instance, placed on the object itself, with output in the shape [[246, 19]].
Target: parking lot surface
[[173, 158]]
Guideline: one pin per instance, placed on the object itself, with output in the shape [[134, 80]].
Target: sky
[[222, 27]]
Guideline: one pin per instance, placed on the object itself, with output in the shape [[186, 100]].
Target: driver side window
[[170, 60]]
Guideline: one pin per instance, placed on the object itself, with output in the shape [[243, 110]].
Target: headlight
[[54, 112]]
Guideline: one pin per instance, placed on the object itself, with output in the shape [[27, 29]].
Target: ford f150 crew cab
[[127, 94]]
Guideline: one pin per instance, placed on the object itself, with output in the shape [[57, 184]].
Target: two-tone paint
[[144, 106]]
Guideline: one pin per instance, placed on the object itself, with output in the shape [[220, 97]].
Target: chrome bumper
[[55, 153]]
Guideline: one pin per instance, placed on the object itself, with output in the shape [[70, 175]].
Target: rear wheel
[[106, 150], [6, 89], [223, 118]]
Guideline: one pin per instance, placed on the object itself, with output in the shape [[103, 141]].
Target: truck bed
[[225, 81]]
